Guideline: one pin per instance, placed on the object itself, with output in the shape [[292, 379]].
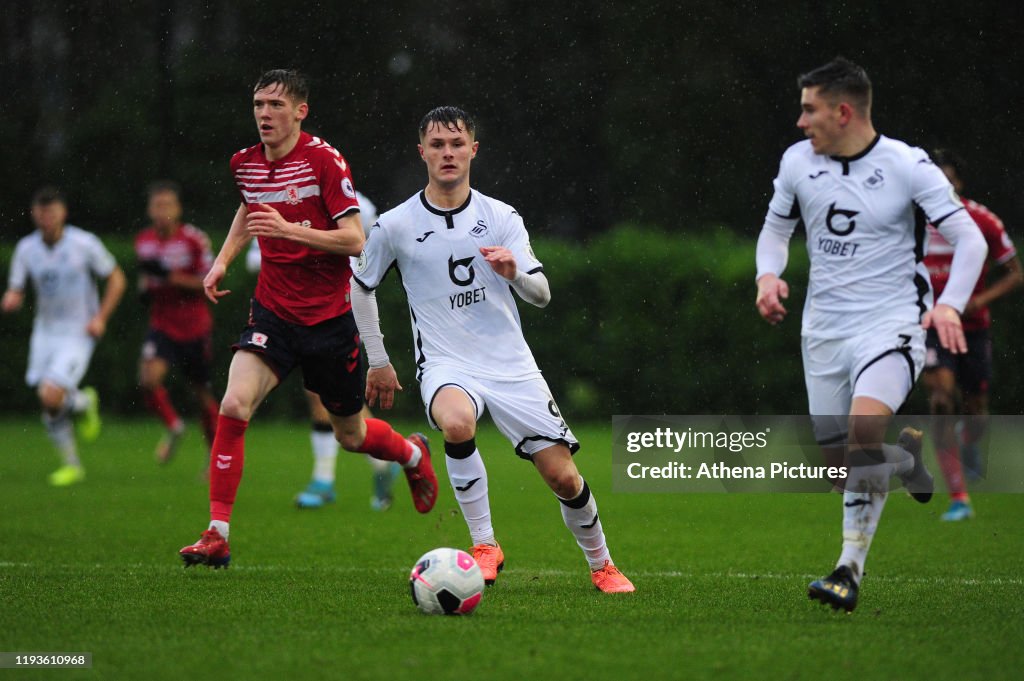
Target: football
[[446, 582]]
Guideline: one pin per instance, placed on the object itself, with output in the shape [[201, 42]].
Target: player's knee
[[941, 403], [51, 398], [236, 408], [148, 382], [350, 440], [458, 429], [566, 482]]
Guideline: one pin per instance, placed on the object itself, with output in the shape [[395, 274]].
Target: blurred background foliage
[[638, 140]]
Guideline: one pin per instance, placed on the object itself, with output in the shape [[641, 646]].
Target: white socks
[[468, 477], [325, 452], [580, 516], [61, 433]]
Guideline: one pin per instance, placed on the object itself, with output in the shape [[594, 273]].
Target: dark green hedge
[[641, 321]]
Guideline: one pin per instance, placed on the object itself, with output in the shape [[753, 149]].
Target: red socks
[[226, 458], [949, 462], [382, 442], [159, 402]]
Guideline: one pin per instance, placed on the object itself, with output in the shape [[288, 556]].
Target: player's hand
[[265, 221], [501, 260], [12, 300], [381, 384], [771, 291], [946, 322], [212, 280], [96, 327]]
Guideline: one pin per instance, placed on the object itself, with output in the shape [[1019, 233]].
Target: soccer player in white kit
[[461, 255], [320, 490], [63, 262], [865, 200]]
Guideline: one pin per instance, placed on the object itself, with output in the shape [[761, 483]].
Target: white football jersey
[[865, 218], [463, 313], [64, 276]]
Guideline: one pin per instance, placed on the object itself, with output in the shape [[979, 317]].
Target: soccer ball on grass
[[446, 582]]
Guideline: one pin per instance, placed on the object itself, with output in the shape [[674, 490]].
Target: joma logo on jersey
[[839, 229], [453, 270], [292, 195], [479, 230]]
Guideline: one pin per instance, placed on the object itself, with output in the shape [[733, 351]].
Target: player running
[[173, 259], [298, 199], [945, 372], [320, 490], [63, 262], [461, 255], [863, 198]]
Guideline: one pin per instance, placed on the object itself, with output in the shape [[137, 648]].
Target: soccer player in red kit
[[944, 372], [173, 258], [298, 199]]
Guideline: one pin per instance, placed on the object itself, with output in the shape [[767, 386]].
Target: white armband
[[533, 288], [773, 245], [367, 316], [970, 251]]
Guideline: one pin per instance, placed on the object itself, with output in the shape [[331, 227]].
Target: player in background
[[298, 199], [946, 373], [320, 490], [864, 199], [63, 262], [173, 258], [461, 255]]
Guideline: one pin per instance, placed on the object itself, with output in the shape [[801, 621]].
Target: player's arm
[[13, 299], [113, 291], [381, 379], [238, 238], [772, 254], [1011, 277], [347, 239], [533, 288], [14, 296]]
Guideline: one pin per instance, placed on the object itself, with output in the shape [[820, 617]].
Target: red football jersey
[[183, 315], [940, 256], [312, 186]]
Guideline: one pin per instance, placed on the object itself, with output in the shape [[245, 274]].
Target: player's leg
[[579, 512], [330, 368], [250, 380], [155, 360], [454, 410], [60, 430], [527, 415], [56, 366], [197, 365], [880, 386], [941, 370], [940, 385], [974, 379], [320, 489]]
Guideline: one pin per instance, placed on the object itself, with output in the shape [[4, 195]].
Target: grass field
[[721, 579]]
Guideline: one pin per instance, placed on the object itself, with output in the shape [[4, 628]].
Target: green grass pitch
[[721, 579]]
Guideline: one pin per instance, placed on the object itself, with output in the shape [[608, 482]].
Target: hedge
[[642, 321]]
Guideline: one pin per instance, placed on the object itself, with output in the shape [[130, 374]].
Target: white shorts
[[523, 410], [882, 364], [61, 360]]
